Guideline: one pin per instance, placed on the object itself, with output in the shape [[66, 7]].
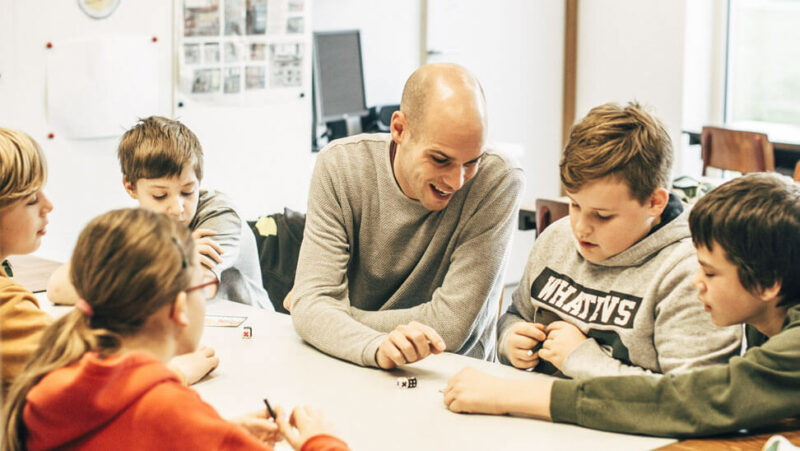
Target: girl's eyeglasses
[[208, 288]]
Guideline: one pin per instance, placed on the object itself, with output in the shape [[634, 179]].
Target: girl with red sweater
[[99, 379]]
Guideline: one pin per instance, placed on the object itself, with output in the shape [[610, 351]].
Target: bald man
[[406, 233]]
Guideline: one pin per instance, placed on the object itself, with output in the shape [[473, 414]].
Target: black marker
[[537, 346], [269, 409]]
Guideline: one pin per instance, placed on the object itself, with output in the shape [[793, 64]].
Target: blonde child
[[747, 234], [99, 379], [162, 167], [23, 220]]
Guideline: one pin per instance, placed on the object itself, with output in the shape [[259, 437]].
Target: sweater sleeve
[[219, 216], [321, 303], [21, 326], [757, 389], [474, 273], [683, 335]]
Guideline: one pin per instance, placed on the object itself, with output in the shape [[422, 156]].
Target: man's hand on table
[[408, 343]]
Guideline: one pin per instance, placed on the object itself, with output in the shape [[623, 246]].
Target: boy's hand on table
[[522, 337], [210, 251], [473, 391], [562, 339], [304, 423], [408, 343], [195, 365], [260, 427]]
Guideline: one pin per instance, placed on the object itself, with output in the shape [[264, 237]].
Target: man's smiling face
[[432, 165]]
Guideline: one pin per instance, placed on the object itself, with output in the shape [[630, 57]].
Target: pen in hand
[[535, 348], [270, 412]]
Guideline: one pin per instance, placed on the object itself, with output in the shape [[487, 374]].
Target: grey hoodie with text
[[638, 308]]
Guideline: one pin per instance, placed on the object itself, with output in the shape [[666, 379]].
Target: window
[[763, 70]]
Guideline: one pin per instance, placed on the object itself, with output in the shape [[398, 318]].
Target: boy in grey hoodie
[[608, 290]]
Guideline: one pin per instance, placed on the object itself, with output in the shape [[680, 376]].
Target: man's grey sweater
[[373, 259]]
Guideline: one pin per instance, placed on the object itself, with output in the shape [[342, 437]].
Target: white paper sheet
[[98, 87]]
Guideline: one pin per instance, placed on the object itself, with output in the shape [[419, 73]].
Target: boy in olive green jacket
[[747, 235]]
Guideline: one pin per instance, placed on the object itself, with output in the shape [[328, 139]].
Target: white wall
[[84, 177], [633, 50]]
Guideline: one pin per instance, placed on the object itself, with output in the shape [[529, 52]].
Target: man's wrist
[[369, 354]]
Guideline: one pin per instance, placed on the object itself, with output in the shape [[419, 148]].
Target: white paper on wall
[[98, 87]]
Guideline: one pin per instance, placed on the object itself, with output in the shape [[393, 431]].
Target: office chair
[[736, 150], [549, 211]]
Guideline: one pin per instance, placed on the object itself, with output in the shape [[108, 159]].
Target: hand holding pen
[[260, 427], [303, 423]]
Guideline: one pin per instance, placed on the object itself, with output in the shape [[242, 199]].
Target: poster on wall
[[242, 51]]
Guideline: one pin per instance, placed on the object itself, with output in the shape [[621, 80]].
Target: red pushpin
[[49, 45], [51, 136], [155, 39]]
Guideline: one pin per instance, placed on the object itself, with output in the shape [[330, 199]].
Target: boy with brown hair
[[608, 291], [747, 234], [162, 167]]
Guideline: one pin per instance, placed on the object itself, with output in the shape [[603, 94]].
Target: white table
[[368, 409], [366, 405]]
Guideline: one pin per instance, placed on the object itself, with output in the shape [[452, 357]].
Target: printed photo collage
[[242, 46]]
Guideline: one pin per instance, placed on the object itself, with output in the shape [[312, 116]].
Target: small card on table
[[224, 321]]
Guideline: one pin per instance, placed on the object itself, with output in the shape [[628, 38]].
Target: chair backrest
[[736, 150], [797, 172], [278, 239], [549, 211]]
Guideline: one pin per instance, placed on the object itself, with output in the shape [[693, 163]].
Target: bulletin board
[[240, 52]]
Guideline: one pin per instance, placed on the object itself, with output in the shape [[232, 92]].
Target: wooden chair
[[549, 211], [735, 150], [797, 172]]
